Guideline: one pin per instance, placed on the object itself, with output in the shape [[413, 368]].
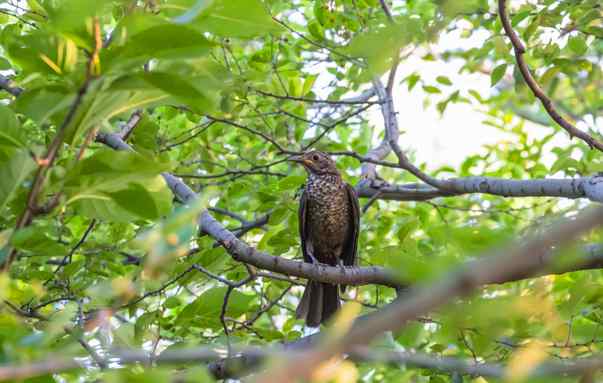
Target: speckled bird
[[328, 226]]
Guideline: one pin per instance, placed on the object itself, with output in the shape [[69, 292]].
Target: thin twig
[[314, 101], [5, 83], [547, 103]]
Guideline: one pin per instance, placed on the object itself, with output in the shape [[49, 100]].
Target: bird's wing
[[306, 246], [350, 248]]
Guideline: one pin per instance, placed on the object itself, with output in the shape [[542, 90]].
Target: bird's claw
[[315, 261]]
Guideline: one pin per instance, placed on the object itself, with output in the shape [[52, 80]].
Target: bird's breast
[[328, 217]]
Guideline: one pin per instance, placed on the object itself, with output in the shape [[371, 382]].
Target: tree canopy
[[148, 210]]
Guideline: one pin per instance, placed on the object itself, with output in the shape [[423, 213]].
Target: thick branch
[[505, 264], [242, 252], [235, 366], [583, 187], [547, 103]]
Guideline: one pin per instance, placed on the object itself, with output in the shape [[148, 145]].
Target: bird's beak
[[301, 160]]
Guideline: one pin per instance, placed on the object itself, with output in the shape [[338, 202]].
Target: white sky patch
[[448, 139]]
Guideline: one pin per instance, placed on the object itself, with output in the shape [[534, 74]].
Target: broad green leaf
[[237, 18], [577, 44], [15, 166], [103, 102], [112, 168], [4, 64], [44, 103], [308, 84], [200, 96], [35, 52], [378, 46], [148, 201], [38, 242], [291, 182], [165, 41], [73, 15], [145, 134], [295, 87], [118, 186], [205, 310], [11, 133], [497, 74]]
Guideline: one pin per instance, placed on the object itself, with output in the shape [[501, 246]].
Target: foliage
[[225, 88]]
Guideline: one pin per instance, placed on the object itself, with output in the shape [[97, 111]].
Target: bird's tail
[[319, 302]]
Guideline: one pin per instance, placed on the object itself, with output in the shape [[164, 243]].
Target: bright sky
[[460, 132]]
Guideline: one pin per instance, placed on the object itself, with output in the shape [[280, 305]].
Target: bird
[[329, 220]]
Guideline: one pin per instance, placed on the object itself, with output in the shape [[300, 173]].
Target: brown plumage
[[328, 226]]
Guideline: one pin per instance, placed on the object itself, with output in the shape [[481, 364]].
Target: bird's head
[[316, 162]]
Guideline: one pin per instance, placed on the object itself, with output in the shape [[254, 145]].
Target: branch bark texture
[[582, 187]]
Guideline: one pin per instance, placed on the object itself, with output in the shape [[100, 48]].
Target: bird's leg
[[313, 258], [341, 265], [316, 261]]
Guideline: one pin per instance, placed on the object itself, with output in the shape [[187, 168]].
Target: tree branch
[[361, 99], [5, 83], [242, 252], [250, 357], [496, 266], [129, 126], [583, 187], [547, 103]]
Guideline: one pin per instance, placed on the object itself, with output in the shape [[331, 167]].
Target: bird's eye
[[315, 157]]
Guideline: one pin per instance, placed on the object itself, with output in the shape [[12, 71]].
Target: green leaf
[[180, 88], [378, 46], [549, 75], [146, 133], [431, 89], [100, 105], [15, 166], [497, 74], [143, 200], [37, 241], [291, 182], [566, 164], [237, 18], [72, 15], [308, 84], [4, 64], [577, 44], [119, 186], [205, 310], [11, 133], [278, 215], [295, 87], [443, 80], [165, 41], [412, 80], [41, 104]]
